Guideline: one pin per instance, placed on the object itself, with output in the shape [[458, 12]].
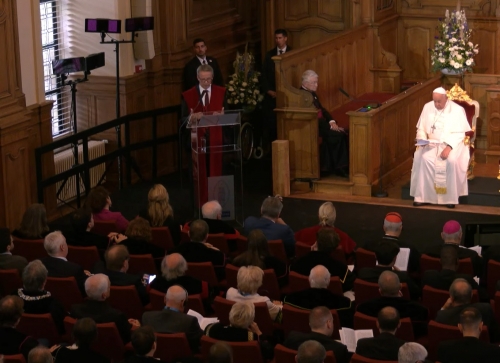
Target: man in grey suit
[[172, 318], [7, 260]]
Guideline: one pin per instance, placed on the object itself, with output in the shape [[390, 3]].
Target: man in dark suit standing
[[469, 349], [189, 75], [384, 346], [172, 318], [269, 84], [7, 259]]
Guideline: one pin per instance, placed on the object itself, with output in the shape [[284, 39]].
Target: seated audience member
[[310, 352], [40, 354], [469, 349], [241, 328], [144, 344], [80, 235], [387, 252], [172, 318], [198, 250], [7, 259], [95, 307], [249, 280], [390, 291], [319, 295], [327, 240], [220, 352], [116, 258], [12, 341], [34, 223], [212, 214], [452, 235], [36, 299], [412, 353], [272, 225], [258, 255], [173, 272], [159, 212], [460, 298], [137, 239], [321, 324], [393, 226], [327, 216], [84, 334], [443, 279], [385, 346], [99, 203], [57, 263]]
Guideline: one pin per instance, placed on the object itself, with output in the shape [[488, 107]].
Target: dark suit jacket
[[8, 262], [13, 342], [218, 226], [87, 239], [477, 261], [198, 252], [268, 80], [171, 321], [295, 339], [385, 346], [80, 355], [60, 268], [190, 77], [139, 359], [442, 280], [191, 284], [414, 260], [371, 274], [102, 312], [305, 263], [273, 231], [140, 247], [467, 350]]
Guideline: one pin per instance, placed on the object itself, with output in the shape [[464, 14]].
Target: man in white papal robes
[[439, 172]]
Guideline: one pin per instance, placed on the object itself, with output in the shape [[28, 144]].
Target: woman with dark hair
[[99, 203], [258, 255], [34, 223]]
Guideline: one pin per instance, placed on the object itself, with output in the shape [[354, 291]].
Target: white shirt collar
[[6, 253], [209, 89], [61, 258], [202, 59], [278, 50]]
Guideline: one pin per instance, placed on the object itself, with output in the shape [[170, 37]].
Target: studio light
[[103, 26]]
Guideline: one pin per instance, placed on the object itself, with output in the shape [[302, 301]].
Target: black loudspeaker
[[68, 65], [94, 61]]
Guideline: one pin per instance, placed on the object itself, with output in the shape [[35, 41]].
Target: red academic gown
[[193, 101]]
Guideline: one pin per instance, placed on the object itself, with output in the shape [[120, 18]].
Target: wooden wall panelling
[[433, 7], [493, 96], [416, 37]]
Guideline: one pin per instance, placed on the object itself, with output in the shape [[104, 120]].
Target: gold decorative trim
[[458, 94]]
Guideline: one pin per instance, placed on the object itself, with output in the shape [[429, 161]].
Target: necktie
[[281, 51], [204, 61], [204, 96]]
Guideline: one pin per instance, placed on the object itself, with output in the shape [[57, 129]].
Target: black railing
[[84, 137]]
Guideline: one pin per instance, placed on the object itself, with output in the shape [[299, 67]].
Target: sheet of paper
[[478, 249], [204, 322], [350, 267], [349, 294], [476, 279], [402, 259], [363, 333], [196, 314], [348, 339]]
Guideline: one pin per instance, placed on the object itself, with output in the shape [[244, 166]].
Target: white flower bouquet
[[453, 48]]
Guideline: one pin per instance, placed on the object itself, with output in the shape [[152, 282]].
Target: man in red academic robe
[[205, 97]]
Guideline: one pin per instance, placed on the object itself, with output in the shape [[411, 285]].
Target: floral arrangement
[[453, 48], [243, 87]]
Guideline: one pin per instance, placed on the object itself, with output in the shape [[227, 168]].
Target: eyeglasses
[[205, 79]]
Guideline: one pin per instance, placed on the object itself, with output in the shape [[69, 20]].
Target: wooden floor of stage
[[481, 169]]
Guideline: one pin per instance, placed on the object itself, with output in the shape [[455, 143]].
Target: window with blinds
[[52, 48]]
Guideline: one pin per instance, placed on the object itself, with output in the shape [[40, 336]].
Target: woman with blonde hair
[[34, 223], [327, 215], [159, 212]]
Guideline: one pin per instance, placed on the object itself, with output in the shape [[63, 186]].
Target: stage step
[[334, 185]]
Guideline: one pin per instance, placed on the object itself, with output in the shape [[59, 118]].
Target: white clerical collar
[[278, 50]]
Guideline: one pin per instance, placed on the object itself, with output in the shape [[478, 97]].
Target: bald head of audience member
[[143, 341], [327, 240], [173, 266], [389, 284], [471, 322], [412, 353], [98, 287], [198, 231], [116, 258], [211, 210], [449, 258], [40, 354], [176, 297], [319, 277], [321, 321], [11, 310], [460, 292], [387, 252], [388, 320], [220, 352], [310, 351]]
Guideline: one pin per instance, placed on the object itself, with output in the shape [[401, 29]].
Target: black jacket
[[371, 274], [477, 261], [295, 339], [59, 268], [189, 75], [385, 346], [467, 350]]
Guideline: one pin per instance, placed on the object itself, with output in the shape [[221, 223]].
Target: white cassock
[[434, 180]]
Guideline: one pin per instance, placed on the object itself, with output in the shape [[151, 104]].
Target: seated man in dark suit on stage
[[7, 259], [212, 214], [387, 252], [390, 295], [321, 324], [334, 149], [272, 225], [460, 298], [469, 349], [385, 346], [116, 258], [172, 318], [95, 307], [327, 240]]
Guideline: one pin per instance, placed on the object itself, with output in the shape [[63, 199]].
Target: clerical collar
[[171, 308]]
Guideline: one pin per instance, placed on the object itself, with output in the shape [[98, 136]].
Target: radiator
[[64, 160]]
